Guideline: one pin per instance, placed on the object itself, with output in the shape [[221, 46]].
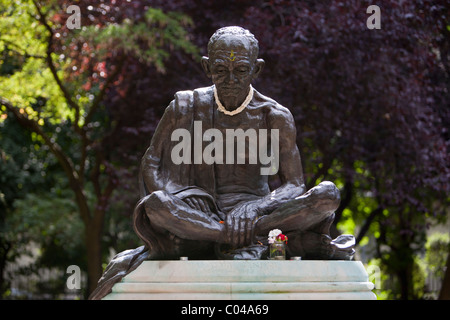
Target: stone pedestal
[[245, 280]]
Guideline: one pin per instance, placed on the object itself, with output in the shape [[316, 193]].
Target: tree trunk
[[94, 254], [5, 246], [404, 282]]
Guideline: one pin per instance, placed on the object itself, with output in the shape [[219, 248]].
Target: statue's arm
[[158, 172], [152, 174], [290, 168]]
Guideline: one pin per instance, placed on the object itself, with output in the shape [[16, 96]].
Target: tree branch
[[65, 162], [96, 103], [20, 51], [103, 202], [367, 224], [94, 106], [95, 173], [322, 172], [345, 201], [74, 106], [42, 19], [348, 195]]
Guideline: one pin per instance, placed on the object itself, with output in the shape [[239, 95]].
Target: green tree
[[24, 168], [47, 87]]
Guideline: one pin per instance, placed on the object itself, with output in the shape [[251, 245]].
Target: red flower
[[282, 237]]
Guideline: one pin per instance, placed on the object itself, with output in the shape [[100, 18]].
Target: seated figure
[[206, 195], [207, 206]]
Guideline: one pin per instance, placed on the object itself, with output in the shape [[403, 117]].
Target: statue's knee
[[329, 190], [327, 196], [162, 195], [155, 200]]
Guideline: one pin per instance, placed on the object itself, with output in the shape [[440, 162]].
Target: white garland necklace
[[244, 104]]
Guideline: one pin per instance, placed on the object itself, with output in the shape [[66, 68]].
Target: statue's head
[[232, 63], [234, 32]]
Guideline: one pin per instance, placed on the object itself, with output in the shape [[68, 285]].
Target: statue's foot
[[343, 247], [313, 245]]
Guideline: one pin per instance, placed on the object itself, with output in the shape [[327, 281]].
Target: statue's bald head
[[232, 64], [234, 31]]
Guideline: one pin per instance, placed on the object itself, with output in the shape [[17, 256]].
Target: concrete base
[[245, 280]]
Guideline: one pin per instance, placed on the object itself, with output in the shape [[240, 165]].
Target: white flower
[[273, 234]]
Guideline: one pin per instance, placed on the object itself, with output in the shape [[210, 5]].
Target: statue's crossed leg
[[305, 219]]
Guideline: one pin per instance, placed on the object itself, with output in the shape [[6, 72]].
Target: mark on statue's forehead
[[232, 54]]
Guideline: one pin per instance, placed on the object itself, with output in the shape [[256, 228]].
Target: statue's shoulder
[[184, 100], [204, 91], [204, 96], [274, 109], [187, 95]]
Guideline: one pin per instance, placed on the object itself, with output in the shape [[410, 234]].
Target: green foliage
[[34, 205], [24, 162], [32, 83], [437, 250], [379, 278], [427, 270], [419, 275], [356, 96], [44, 81], [45, 227], [149, 41], [19, 28], [51, 220], [31, 88]]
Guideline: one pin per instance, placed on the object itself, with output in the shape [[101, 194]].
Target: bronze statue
[[205, 177]]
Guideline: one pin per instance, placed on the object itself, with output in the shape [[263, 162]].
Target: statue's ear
[[205, 65], [259, 66]]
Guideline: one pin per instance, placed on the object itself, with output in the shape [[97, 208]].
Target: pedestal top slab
[[245, 280], [248, 270]]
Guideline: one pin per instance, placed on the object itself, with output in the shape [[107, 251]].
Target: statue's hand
[[246, 211], [239, 224], [203, 205]]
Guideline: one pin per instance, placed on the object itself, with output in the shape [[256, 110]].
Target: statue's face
[[232, 66]]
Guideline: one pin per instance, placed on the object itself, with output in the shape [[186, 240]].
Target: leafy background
[[79, 107]]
